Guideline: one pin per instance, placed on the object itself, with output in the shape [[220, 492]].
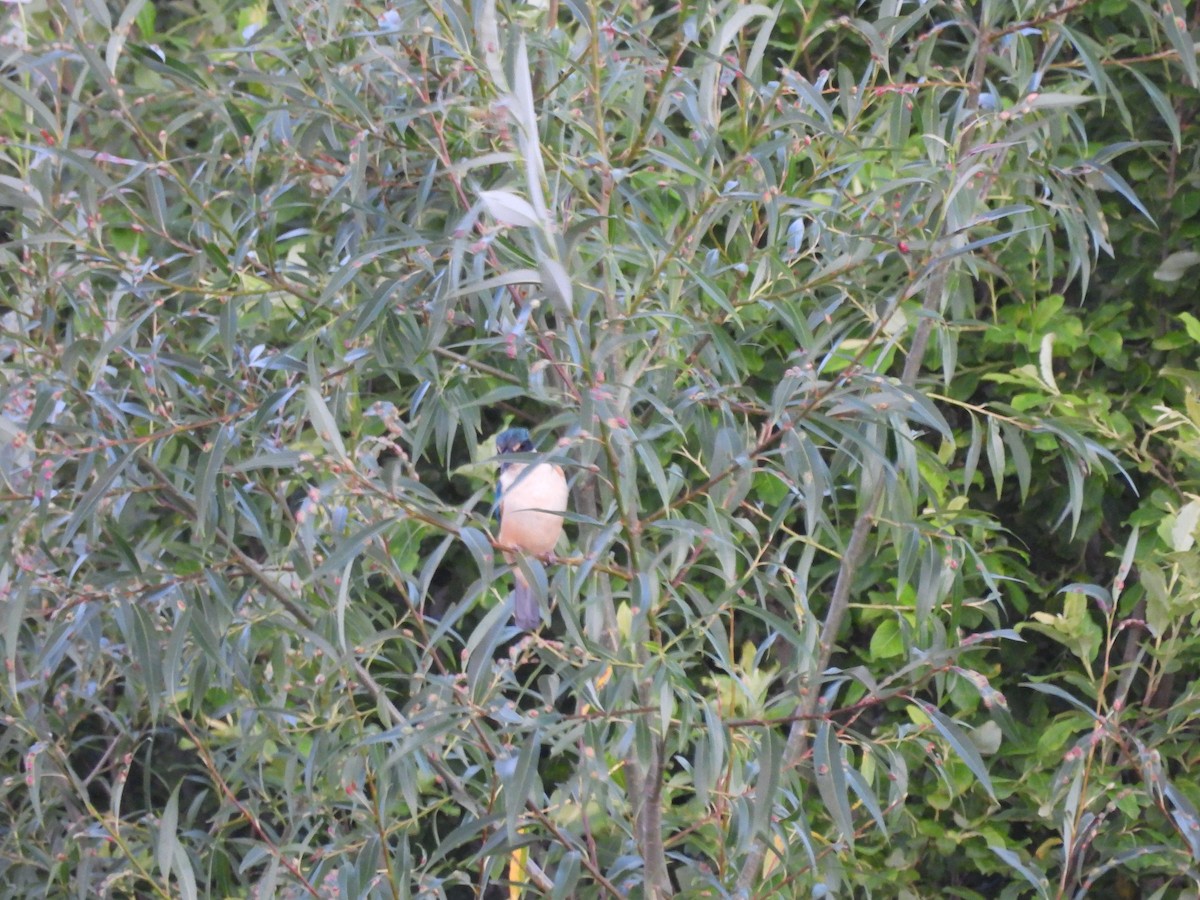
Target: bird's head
[[514, 440]]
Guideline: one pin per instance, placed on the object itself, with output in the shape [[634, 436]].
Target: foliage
[[836, 318]]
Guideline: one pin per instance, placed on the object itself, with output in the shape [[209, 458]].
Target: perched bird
[[530, 499]]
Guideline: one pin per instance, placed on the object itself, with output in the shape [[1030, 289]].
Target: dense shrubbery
[[867, 344]]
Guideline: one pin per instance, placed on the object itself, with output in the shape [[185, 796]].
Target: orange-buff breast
[[524, 496]]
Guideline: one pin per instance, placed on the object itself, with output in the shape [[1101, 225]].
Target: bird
[[530, 500]]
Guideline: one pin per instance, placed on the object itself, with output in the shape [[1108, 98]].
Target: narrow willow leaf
[[874, 40], [344, 275], [762, 41], [481, 647], [850, 97], [1123, 187], [351, 548], [525, 111], [278, 459], [1171, 15], [1183, 529], [864, 793], [929, 582], [974, 448], [487, 34], [1098, 451], [517, 276], [812, 96], [1046, 363], [566, 877], [1074, 507], [209, 466], [922, 410], [20, 194], [168, 837], [1095, 591], [97, 492], [1015, 442], [961, 745], [828, 766], [1055, 691], [1053, 100], [185, 876], [266, 882], [710, 764], [167, 64], [323, 421], [469, 831], [1123, 570], [1003, 212], [1165, 110], [33, 106], [1121, 860], [1187, 819], [509, 209], [345, 93], [648, 456], [721, 540], [557, 284], [141, 635], [522, 787], [995, 451], [710, 74], [677, 161], [769, 764], [98, 11], [1037, 880]]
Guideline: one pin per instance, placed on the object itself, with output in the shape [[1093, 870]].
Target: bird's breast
[[530, 500]]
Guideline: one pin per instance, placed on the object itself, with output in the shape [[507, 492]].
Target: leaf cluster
[[835, 318]]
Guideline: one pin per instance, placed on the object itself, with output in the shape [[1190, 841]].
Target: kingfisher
[[530, 499]]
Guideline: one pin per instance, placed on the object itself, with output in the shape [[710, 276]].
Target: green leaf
[[887, 640], [324, 423], [961, 745], [208, 468], [1036, 879], [168, 840], [509, 209], [829, 768], [87, 504]]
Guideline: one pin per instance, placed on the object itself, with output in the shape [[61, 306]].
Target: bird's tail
[[526, 613]]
